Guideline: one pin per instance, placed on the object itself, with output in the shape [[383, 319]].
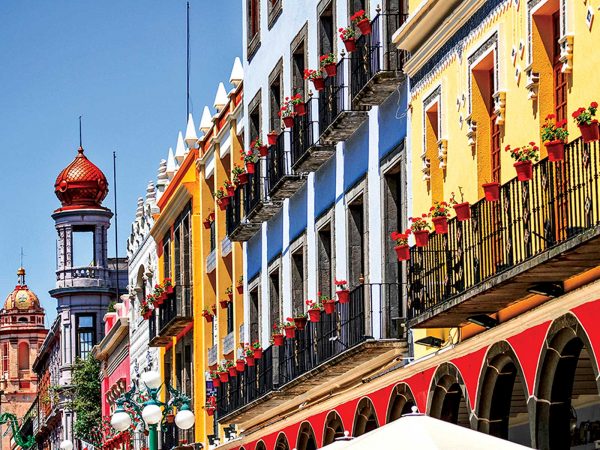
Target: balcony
[[376, 65], [238, 228], [539, 234], [213, 356], [173, 316], [325, 350], [338, 118], [283, 181]]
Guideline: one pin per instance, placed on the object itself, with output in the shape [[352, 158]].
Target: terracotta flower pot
[[243, 178], [329, 306], [250, 361], [272, 138], [216, 382], [403, 252], [230, 296], [230, 191], [343, 295], [278, 340], [589, 133], [207, 224], [288, 121], [314, 315], [214, 309], [290, 332], [440, 224], [224, 303], [223, 377], [232, 371], [300, 108], [491, 191], [318, 83], [263, 151], [223, 203], [240, 365], [364, 26], [209, 318], [524, 170], [300, 322], [159, 301], [331, 69], [147, 315], [350, 44], [421, 238], [258, 352], [556, 150], [463, 211], [210, 411], [250, 167]]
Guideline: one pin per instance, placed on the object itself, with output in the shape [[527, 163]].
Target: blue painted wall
[[392, 121], [298, 213], [254, 255], [325, 187], [356, 156]]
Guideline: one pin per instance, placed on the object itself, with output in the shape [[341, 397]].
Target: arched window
[[448, 400], [401, 402], [23, 356], [365, 419], [22, 320], [334, 428]]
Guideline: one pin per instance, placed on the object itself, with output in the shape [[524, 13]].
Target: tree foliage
[[86, 400]]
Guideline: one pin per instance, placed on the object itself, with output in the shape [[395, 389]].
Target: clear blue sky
[[121, 65]]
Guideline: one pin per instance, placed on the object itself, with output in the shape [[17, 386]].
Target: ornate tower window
[[86, 335]]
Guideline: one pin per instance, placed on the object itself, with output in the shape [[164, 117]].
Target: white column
[[264, 292], [286, 264], [341, 235], [311, 247]]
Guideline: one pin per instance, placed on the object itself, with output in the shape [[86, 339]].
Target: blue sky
[[121, 65]]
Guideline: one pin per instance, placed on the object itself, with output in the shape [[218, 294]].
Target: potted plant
[[257, 349], [207, 315], [213, 308], [439, 213], [159, 295], [222, 199], [239, 175], [248, 353], [230, 366], [272, 137], [214, 376], [491, 191], [229, 292], [328, 63], [260, 147], [277, 335], [229, 188], [588, 125], [361, 20], [223, 373], [209, 219], [250, 158], [316, 76], [240, 365], [402, 248], [420, 228], [298, 103], [168, 283], [342, 291], [146, 307], [240, 285], [224, 303], [289, 328], [287, 113], [554, 137], [524, 156], [314, 308], [210, 410], [300, 320], [329, 306], [348, 35], [463, 209]]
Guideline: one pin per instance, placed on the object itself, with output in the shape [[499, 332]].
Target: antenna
[[188, 63], [80, 140], [22, 254], [116, 224]]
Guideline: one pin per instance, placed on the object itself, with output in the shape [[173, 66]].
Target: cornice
[[169, 214]]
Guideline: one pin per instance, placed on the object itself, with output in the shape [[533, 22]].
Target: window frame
[[80, 330], [252, 40]]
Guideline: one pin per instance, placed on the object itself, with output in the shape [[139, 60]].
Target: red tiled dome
[[81, 184]]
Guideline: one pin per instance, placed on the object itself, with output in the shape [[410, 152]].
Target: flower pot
[[223, 203], [258, 353], [440, 224], [300, 322], [288, 121], [589, 133], [223, 377], [209, 318], [232, 371], [169, 289], [290, 332], [224, 303], [364, 26], [243, 178], [170, 418], [147, 315], [314, 315], [210, 411], [491, 191], [250, 167], [329, 306], [240, 365], [556, 150], [207, 224], [330, 69], [250, 361], [421, 238], [300, 108], [343, 295], [240, 288], [278, 340], [403, 252], [318, 83], [350, 44], [263, 151], [230, 296], [231, 191], [463, 211], [214, 309], [524, 170], [216, 382], [272, 138], [159, 301]]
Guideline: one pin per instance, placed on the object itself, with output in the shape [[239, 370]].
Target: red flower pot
[[278, 340], [210, 411], [343, 295], [350, 44], [272, 138], [403, 252], [207, 224], [214, 309], [240, 288], [209, 318], [232, 371], [216, 382], [290, 332], [250, 167], [300, 322], [463, 211], [223, 203], [589, 133], [240, 365], [263, 150], [243, 178], [364, 26], [300, 108], [158, 301], [331, 69], [250, 361], [258, 353], [223, 303], [231, 191], [169, 289], [230, 296], [147, 315], [491, 191], [288, 121], [421, 238], [318, 83], [329, 306], [524, 170], [556, 150], [440, 224], [223, 377], [314, 315]]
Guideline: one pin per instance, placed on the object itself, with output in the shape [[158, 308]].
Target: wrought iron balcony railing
[[173, 315]]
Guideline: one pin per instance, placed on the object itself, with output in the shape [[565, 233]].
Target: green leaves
[[86, 401]]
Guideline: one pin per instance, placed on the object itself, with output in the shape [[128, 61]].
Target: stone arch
[[333, 428], [502, 400], [282, 442], [260, 445], [401, 402], [365, 418], [306, 437], [448, 399], [567, 391]]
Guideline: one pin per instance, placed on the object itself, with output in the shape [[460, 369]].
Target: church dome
[[81, 184], [21, 298]]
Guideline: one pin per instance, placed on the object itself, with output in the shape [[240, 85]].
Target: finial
[[80, 138], [150, 192], [414, 409], [140, 208], [21, 276], [378, 9]]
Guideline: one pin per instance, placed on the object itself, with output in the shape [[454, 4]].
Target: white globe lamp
[[120, 420], [66, 445], [151, 379], [184, 418], [152, 414]]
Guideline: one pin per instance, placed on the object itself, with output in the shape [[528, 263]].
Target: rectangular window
[[252, 26], [213, 236], [275, 297], [275, 97], [83, 245], [560, 78], [298, 296], [86, 335], [356, 242], [254, 117], [254, 315], [167, 255], [229, 317], [356, 5], [298, 66], [274, 7], [326, 29], [325, 260]]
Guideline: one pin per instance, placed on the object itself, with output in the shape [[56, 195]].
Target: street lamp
[[152, 411], [66, 445]]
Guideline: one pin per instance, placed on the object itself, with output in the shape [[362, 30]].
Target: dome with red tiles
[[81, 184]]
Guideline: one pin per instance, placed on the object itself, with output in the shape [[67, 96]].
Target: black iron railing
[[305, 133], [178, 305], [334, 99], [152, 328], [375, 52], [278, 162], [233, 214], [253, 189], [530, 218]]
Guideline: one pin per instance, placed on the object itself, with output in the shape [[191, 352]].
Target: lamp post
[[153, 411]]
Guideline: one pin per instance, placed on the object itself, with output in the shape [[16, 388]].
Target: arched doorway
[[447, 396], [282, 442], [401, 402], [333, 429], [306, 438], [365, 418], [502, 407], [568, 404]]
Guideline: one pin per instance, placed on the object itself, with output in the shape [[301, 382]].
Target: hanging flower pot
[[314, 315], [421, 237], [147, 315], [524, 170], [300, 108], [216, 382], [272, 138], [318, 83], [403, 252], [440, 224], [329, 306], [250, 361], [290, 331], [230, 296], [364, 26], [223, 377], [240, 365], [330, 69], [214, 309], [207, 224], [243, 178], [232, 371], [250, 167], [258, 352], [589, 133], [278, 340], [224, 303], [300, 322], [240, 288], [556, 150], [208, 316], [288, 121], [230, 191], [210, 411], [463, 211], [263, 151], [223, 202], [350, 44], [491, 191], [343, 295]]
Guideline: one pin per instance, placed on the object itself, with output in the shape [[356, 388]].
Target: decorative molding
[[472, 133], [442, 152], [566, 53], [500, 107], [490, 45], [426, 169], [533, 83]]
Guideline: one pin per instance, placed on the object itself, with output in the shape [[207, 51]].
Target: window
[[167, 255], [298, 295], [274, 7], [83, 247], [254, 315], [274, 297], [325, 260], [298, 51], [560, 78], [213, 236], [326, 27], [275, 96], [254, 117], [229, 317], [86, 335], [23, 356], [253, 26], [431, 137], [356, 5], [5, 359], [356, 241]]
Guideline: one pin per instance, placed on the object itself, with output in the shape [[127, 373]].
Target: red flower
[[550, 116], [594, 105]]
